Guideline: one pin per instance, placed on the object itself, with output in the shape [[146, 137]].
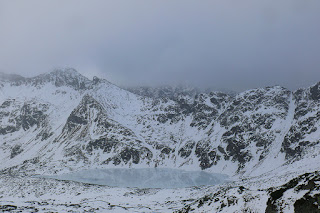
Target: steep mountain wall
[[62, 120]]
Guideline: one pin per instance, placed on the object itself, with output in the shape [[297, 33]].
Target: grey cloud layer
[[225, 44]]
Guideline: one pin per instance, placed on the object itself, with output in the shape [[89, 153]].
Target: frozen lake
[[144, 178]]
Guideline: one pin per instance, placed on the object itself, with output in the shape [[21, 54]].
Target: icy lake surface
[[144, 178]]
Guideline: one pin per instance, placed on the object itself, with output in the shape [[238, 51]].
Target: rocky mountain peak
[[175, 125], [63, 77], [45, 129], [315, 92], [59, 77], [95, 80]]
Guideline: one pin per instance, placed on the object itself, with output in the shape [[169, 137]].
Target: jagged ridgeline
[[64, 119]]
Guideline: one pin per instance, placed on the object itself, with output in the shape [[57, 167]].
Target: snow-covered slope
[[64, 118], [62, 121]]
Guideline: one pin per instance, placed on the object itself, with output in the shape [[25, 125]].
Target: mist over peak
[[237, 46]]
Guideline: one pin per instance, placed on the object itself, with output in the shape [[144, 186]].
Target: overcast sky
[[223, 44]]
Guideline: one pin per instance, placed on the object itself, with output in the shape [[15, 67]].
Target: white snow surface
[[137, 115]]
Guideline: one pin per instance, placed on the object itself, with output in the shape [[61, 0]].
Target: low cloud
[[222, 44]]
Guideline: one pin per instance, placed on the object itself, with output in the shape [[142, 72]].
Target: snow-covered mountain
[[62, 121]]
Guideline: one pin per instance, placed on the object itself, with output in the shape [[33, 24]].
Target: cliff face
[[64, 120]]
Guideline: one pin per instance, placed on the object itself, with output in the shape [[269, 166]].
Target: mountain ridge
[[253, 132]]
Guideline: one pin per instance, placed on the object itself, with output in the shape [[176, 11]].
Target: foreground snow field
[[260, 194], [266, 140]]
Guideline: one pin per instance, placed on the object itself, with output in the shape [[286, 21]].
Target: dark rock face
[[127, 154], [130, 155], [115, 139], [10, 115], [102, 144], [207, 107], [21, 115], [186, 150], [207, 156], [182, 125], [79, 117], [306, 123], [16, 150], [253, 107], [8, 208], [249, 119], [31, 116], [309, 202], [203, 107], [301, 193], [315, 92]]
